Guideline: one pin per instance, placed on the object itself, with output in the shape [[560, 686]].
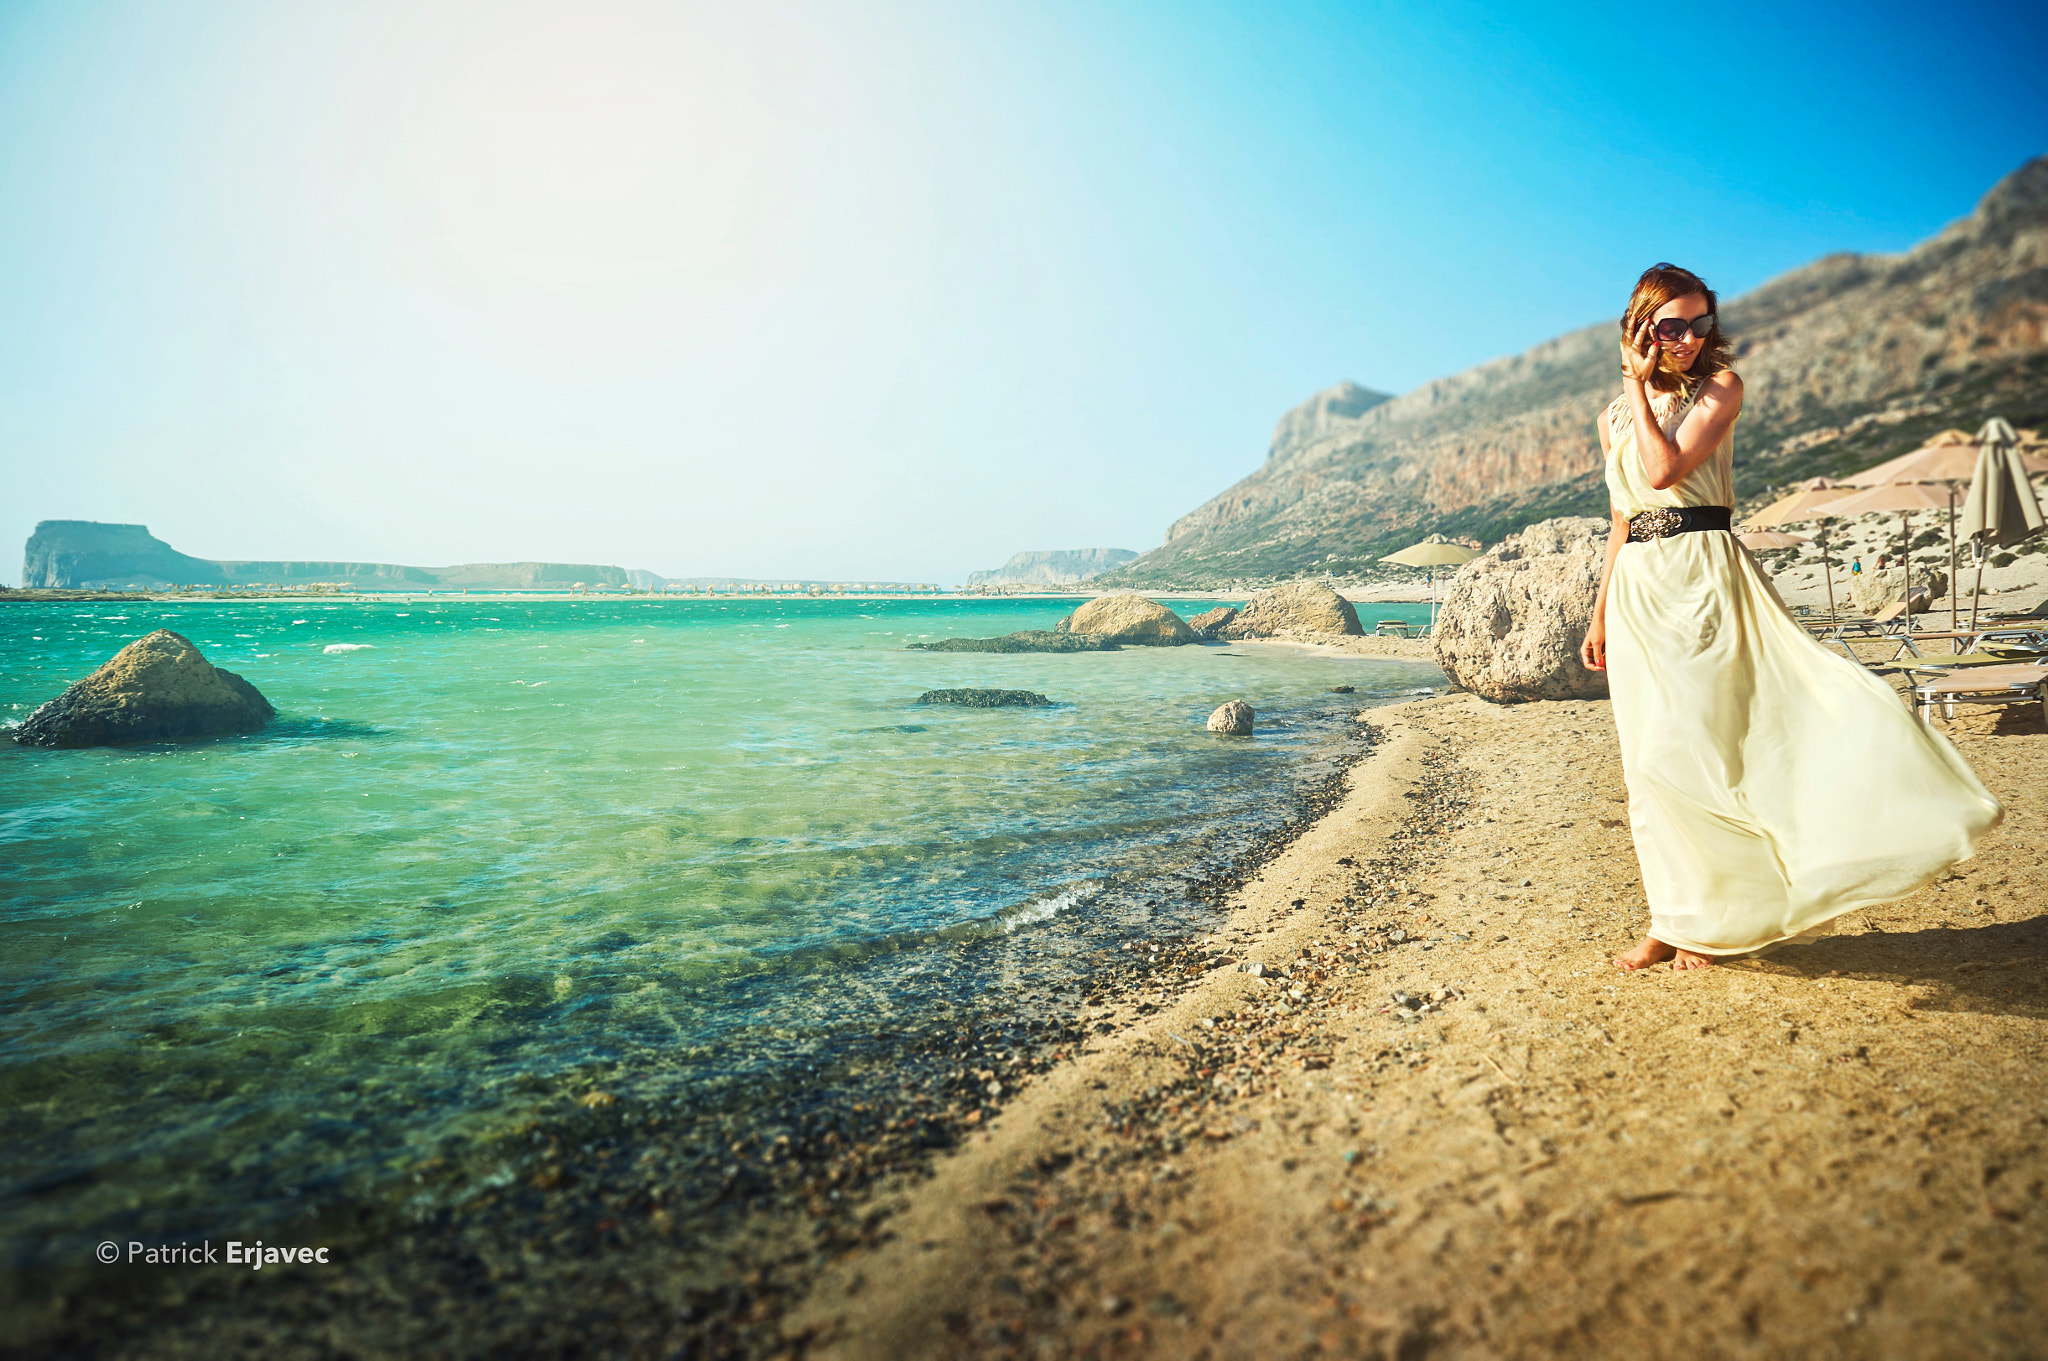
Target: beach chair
[[1983, 685], [1842, 627], [2039, 611], [1398, 628]]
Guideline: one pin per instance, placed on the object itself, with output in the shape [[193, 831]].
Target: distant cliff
[[1058, 567], [86, 555], [77, 554], [1845, 362]]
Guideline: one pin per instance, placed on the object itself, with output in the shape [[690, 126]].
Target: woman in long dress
[[1773, 784]]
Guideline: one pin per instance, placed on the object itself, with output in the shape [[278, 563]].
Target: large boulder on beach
[[1234, 718], [1129, 618], [1511, 627], [1211, 623], [155, 688], [1299, 609], [1872, 591]]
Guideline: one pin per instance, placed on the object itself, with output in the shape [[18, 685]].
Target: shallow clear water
[[494, 838]]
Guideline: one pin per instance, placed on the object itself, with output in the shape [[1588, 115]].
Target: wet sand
[[1442, 1124]]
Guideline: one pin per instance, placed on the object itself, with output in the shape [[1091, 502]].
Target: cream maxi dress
[[1773, 784]]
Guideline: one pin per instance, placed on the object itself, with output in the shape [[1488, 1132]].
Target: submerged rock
[[1211, 623], [986, 699], [1511, 627], [1130, 618], [1234, 718], [1028, 640], [155, 688], [1299, 609]]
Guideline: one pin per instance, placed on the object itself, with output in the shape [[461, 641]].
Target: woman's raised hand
[[1640, 353]]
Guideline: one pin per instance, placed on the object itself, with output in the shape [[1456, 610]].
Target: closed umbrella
[[2002, 508], [1433, 552]]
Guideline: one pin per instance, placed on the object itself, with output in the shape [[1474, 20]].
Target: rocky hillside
[[1845, 362], [1058, 567], [88, 555]]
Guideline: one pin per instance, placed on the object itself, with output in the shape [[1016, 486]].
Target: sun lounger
[[1892, 619], [1983, 685], [1991, 637], [1399, 628], [1934, 667]]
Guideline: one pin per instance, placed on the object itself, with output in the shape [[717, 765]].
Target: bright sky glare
[[871, 290]]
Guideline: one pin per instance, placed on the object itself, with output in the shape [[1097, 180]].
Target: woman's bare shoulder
[[1726, 383]]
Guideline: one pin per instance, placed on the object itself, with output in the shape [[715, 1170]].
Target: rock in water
[[1234, 718], [1130, 618], [1299, 609], [155, 688], [1028, 640], [1212, 623], [986, 699], [1511, 626]]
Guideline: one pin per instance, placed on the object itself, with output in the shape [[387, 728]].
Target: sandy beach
[[1405, 1107]]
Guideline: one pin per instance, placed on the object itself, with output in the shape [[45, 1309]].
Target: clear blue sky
[[872, 290]]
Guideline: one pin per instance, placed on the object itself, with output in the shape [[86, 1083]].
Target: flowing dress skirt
[[1773, 784]]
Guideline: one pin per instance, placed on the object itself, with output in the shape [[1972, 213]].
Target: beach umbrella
[[1950, 458], [1947, 460], [2002, 508], [1756, 540], [1433, 552], [1815, 499], [1905, 498], [1804, 503]]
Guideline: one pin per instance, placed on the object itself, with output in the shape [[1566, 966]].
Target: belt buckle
[[1660, 523]]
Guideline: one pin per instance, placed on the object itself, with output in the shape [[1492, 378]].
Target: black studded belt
[[1665, 521]]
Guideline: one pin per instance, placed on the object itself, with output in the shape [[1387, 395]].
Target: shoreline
[[39, 595], [726, 1208], [1479, 1172], [1834, 1150]]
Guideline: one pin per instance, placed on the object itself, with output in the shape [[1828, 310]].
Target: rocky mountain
[[1845, 362], [87, 555], [77, 554], [1058, 567]]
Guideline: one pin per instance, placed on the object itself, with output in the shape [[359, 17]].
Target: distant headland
[[1057, 567], [87, 555]]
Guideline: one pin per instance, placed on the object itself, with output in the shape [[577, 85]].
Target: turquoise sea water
[[676, 841]]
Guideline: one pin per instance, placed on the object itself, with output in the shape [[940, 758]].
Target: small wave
[[347, 647], [1045, 909]]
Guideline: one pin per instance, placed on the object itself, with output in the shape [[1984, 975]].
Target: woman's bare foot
[[1688, 960], [1644, 955]]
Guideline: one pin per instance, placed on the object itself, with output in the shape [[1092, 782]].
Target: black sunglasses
[[1671, 330]]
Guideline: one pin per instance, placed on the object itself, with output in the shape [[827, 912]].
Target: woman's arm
[[1669, 460], [1593, 652]]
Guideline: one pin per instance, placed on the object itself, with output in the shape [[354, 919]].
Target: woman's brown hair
[[1665, 282]]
